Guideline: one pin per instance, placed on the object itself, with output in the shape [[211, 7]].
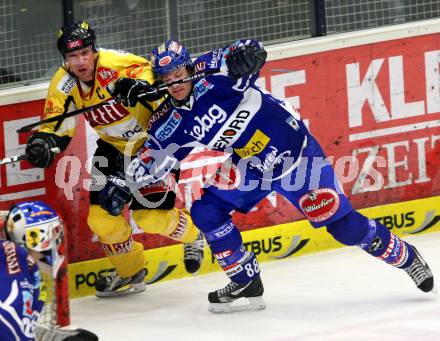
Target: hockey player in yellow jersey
[[81, 82]]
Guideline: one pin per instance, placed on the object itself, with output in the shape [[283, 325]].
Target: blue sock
[[227, 247], [373, 237], [384, 245]]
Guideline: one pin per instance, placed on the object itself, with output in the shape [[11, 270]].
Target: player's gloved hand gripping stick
[[21, 157]]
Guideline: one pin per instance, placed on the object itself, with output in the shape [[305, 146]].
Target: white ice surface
[[337, 295]]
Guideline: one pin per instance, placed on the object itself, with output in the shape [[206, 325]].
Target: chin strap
[[185, 104]]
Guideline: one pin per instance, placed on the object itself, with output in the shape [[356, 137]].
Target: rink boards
[[269, 243]]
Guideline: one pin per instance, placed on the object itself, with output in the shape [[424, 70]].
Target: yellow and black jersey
[[115, 123]]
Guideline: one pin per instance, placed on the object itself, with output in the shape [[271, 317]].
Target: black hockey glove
[[245, 60], [115, 194], [127, 91], [38, 149]]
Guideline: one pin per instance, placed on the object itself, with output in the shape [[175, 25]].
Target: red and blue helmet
[[169, 57]]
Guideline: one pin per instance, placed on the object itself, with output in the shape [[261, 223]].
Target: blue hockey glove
[[115, 194], [127, 91], [245, 59], [38, 149]]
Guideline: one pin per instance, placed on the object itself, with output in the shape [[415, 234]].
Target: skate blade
[[132, 289], [254, 303]]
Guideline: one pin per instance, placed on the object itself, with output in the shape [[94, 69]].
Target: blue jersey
[[263, 134], [20, 305]]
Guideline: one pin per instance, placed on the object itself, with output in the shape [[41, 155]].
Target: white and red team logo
[[227, 177], [164, 61], [320, 204], [74, 44], [106, 75]]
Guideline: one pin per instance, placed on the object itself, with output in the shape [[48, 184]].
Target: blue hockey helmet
[[35, 226], [170, 56]]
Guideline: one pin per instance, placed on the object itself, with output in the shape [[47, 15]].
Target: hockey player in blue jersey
[[32, 233], [274, 151]]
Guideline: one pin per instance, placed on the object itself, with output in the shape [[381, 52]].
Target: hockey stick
[[194, 77], [159, 88], [21, 157], [29, 127]]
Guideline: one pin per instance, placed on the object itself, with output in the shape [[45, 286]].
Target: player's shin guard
[[378, 241], [240, 266]]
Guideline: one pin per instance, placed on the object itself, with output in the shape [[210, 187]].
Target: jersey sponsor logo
[[205, 123], [134, 71], [158, 114], [227, 176], [13, 266], [201, 87], [106, 115], [66, 84], [216, 56], [164, 61], [237, 121], [129, 133], [231, 130], [272, 159], [200, 67], [52, 109], [106, 75], [74, 43], [319, 205], [254, 146], [169, 127]]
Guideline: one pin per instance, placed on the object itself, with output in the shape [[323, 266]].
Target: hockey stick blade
[[21, 157], [29, 127], [165, 86]]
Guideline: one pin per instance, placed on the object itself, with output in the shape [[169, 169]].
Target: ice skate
[[228, 299], [193, 254], [113, 285], [420, 273]]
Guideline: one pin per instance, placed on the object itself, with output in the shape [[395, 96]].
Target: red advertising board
[[374, 108]]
